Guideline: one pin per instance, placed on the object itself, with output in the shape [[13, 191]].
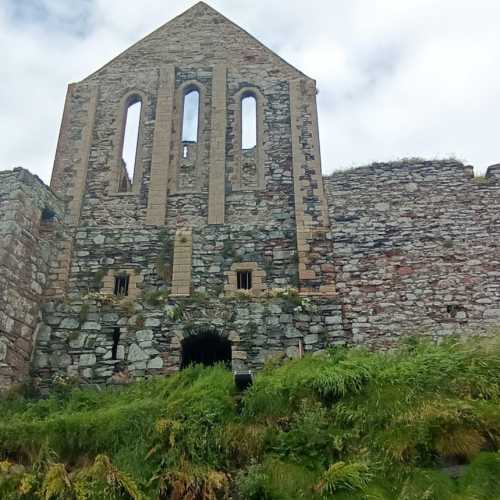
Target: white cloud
[[396, 78]]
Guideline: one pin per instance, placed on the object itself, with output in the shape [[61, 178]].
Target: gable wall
[[193, 44], [259, 218]]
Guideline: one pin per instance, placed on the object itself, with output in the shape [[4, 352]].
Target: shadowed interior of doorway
[[206, 347]]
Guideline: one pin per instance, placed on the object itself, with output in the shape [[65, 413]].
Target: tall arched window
[[130, 142], [248, 122], [190, 116], [189, 125], [249, 129]]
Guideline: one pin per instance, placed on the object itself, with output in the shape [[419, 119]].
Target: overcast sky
[[397, 78]]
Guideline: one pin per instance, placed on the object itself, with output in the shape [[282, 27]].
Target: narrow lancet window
[[248, 122], [48, 216], [130, 142], [190, 117], [116, 340]]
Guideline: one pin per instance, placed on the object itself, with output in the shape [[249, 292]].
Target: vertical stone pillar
[[314, 163], [80, 172], [63, 144], [158, 186], [71, 163], [182, 265], [73, 149], [61, 266], [216, 185], [314, 245]]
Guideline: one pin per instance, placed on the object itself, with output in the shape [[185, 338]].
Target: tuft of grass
[[84, 312], [277, 480], [176, 312], [127, 306], [479, 479], [156, 297], [427, 484], [98, 277], [480, 179], [197, 298], [344, 476], [140, 321]]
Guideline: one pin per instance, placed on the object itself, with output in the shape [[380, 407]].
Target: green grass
[[349, 424]]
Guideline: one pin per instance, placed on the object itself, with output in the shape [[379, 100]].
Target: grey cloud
[[74, 18]]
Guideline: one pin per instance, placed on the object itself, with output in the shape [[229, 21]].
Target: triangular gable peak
[[200, 36]]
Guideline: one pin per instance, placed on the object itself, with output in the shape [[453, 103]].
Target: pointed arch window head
[[130, 143], [190, 116], [248, 121]]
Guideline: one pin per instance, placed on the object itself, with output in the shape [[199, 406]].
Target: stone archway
[[206, 347]]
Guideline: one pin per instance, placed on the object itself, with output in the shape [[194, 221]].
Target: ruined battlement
[[493, 171], [415, 170], [18, 180], [407, 168]]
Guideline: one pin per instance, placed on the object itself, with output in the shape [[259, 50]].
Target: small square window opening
[[121, 285], [48, 215], [244, 280]]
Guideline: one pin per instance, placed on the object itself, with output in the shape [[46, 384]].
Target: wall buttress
[[160, 163], [80, 172], [311, 211], [182, 265], [216, 188], [62, 143]]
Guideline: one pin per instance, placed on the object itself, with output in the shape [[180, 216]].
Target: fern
[[191, 482], [345, 476], [57, 484], [117, 484], [348, 423]]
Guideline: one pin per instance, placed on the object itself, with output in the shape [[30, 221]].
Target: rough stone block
[[135, 354], [87, 360]]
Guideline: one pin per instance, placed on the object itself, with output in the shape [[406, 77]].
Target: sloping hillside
[[420, 422]]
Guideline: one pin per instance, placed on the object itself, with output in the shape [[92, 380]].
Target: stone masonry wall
[[417, 249], [76, 339], [149, 251], [377, 252], [27, 266], [416, 252]]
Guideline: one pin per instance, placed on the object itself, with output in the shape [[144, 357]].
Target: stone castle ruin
[[205, 248]]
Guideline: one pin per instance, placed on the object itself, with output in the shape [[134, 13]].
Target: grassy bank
[[345, 425]]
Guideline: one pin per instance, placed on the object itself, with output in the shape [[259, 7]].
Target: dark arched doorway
[[206, 347]]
